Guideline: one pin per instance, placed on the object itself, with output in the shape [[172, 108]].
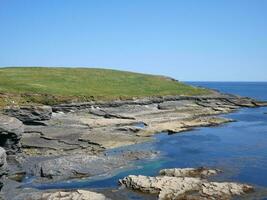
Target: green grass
[[57, 85]]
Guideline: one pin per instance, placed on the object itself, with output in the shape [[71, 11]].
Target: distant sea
[[257, 90]]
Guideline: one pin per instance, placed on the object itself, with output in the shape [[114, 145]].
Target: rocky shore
[[69, 141]]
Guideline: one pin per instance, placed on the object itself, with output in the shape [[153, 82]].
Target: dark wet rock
[[30, 114], [180, 186], [106, 114], [11, 130], [129, 129]]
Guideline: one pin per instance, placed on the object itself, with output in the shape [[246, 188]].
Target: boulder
[[11, 130], [30, 114]]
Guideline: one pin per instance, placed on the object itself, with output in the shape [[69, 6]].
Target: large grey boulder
[[11, 130], [29, 114]]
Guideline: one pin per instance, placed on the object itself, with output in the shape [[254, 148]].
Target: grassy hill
[[56, 85]]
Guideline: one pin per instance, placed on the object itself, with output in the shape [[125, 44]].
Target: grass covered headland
[[22, 85]]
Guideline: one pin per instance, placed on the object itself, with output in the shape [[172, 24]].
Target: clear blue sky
[[213, 40]]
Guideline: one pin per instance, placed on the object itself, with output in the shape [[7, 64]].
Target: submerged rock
[[180, 186], [11, 130], [30, 114]]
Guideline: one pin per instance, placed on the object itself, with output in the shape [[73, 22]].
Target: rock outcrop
[[180, 186], [11, 130], [30, 114]]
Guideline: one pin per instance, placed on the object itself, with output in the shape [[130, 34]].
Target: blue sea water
[[238, 148], [257, 90]]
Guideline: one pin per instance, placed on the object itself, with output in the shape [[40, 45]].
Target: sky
[[190, 40]]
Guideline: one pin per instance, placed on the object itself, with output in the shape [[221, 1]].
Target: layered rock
[[30, 114], [11, 130], [180, 186]]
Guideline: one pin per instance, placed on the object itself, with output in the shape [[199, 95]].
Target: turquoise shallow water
[[238, 148]]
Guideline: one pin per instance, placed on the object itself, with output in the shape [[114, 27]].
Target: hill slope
[[56, 85]]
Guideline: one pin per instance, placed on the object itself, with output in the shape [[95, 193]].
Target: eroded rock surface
[[181, 186], [11, 130]]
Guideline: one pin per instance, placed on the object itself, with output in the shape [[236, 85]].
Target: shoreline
[[92, 128]]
